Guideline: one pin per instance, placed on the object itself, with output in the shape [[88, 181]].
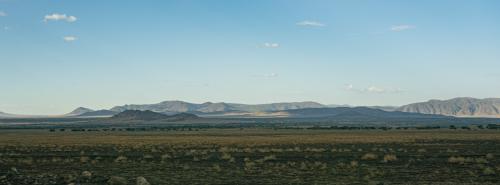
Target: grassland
[[251, 156]]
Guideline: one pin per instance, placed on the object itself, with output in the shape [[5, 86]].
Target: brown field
[[251, 156]]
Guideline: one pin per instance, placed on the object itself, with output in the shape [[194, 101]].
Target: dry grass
[[489, 171], [490, 156], [120, 159], [390, 158], [248, 137], [369, 157], [258, 156], [456, 160]]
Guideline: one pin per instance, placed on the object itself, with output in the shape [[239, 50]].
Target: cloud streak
[[3, 14], [372, 89], [310, 24], [59, 17], [70, 38], [270, 45], [402, 27], [267, 75]]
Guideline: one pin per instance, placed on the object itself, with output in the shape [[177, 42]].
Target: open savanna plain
[[250, 156]]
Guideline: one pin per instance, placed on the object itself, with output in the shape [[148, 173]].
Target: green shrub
[[490, 156], [489, 171]]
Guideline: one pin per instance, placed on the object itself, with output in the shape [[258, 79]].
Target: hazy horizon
[[60, 55]]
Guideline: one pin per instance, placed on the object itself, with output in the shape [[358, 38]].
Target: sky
[[56, 55]]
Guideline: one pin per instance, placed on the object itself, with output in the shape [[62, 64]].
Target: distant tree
[[466, 128], [493, 126]]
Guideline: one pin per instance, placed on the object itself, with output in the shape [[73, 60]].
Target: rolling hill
[[138, 115], [98, 113], [7, 115], [79, 111], [353, 112]]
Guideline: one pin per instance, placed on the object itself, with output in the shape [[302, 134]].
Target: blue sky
[[58, 55]]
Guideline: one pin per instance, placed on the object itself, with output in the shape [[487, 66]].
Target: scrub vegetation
[[250, 156]]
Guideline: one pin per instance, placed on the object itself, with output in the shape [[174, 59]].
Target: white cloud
[[349, 87], [270, 45], [271, 75], [402, 27], [59, 17], [6, 28], [267, 75], [70, 38], [310, 23], [372, 89], [3, 14]]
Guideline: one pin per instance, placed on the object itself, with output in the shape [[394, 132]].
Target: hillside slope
[[353, 112], [172, 107], [138, 115], [460, 107]]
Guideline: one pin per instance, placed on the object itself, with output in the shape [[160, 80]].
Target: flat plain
[[250, 156]]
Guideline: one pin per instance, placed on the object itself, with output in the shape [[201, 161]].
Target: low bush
[[369, 156]]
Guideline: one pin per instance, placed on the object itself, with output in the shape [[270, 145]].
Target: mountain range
[[172, 107], [457, 107], [353, 112], [147, 115]]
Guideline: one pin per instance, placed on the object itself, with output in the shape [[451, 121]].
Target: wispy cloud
[[59, 17], [70, 38], [349, 87], [372, 89], [402, 27], [270, 75], [311, 24], [3, 14], [270, 45], [267, 75]]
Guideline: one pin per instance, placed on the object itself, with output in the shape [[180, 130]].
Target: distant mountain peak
[[79, 111], [172, 101], [99, 113], [460, 107]]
